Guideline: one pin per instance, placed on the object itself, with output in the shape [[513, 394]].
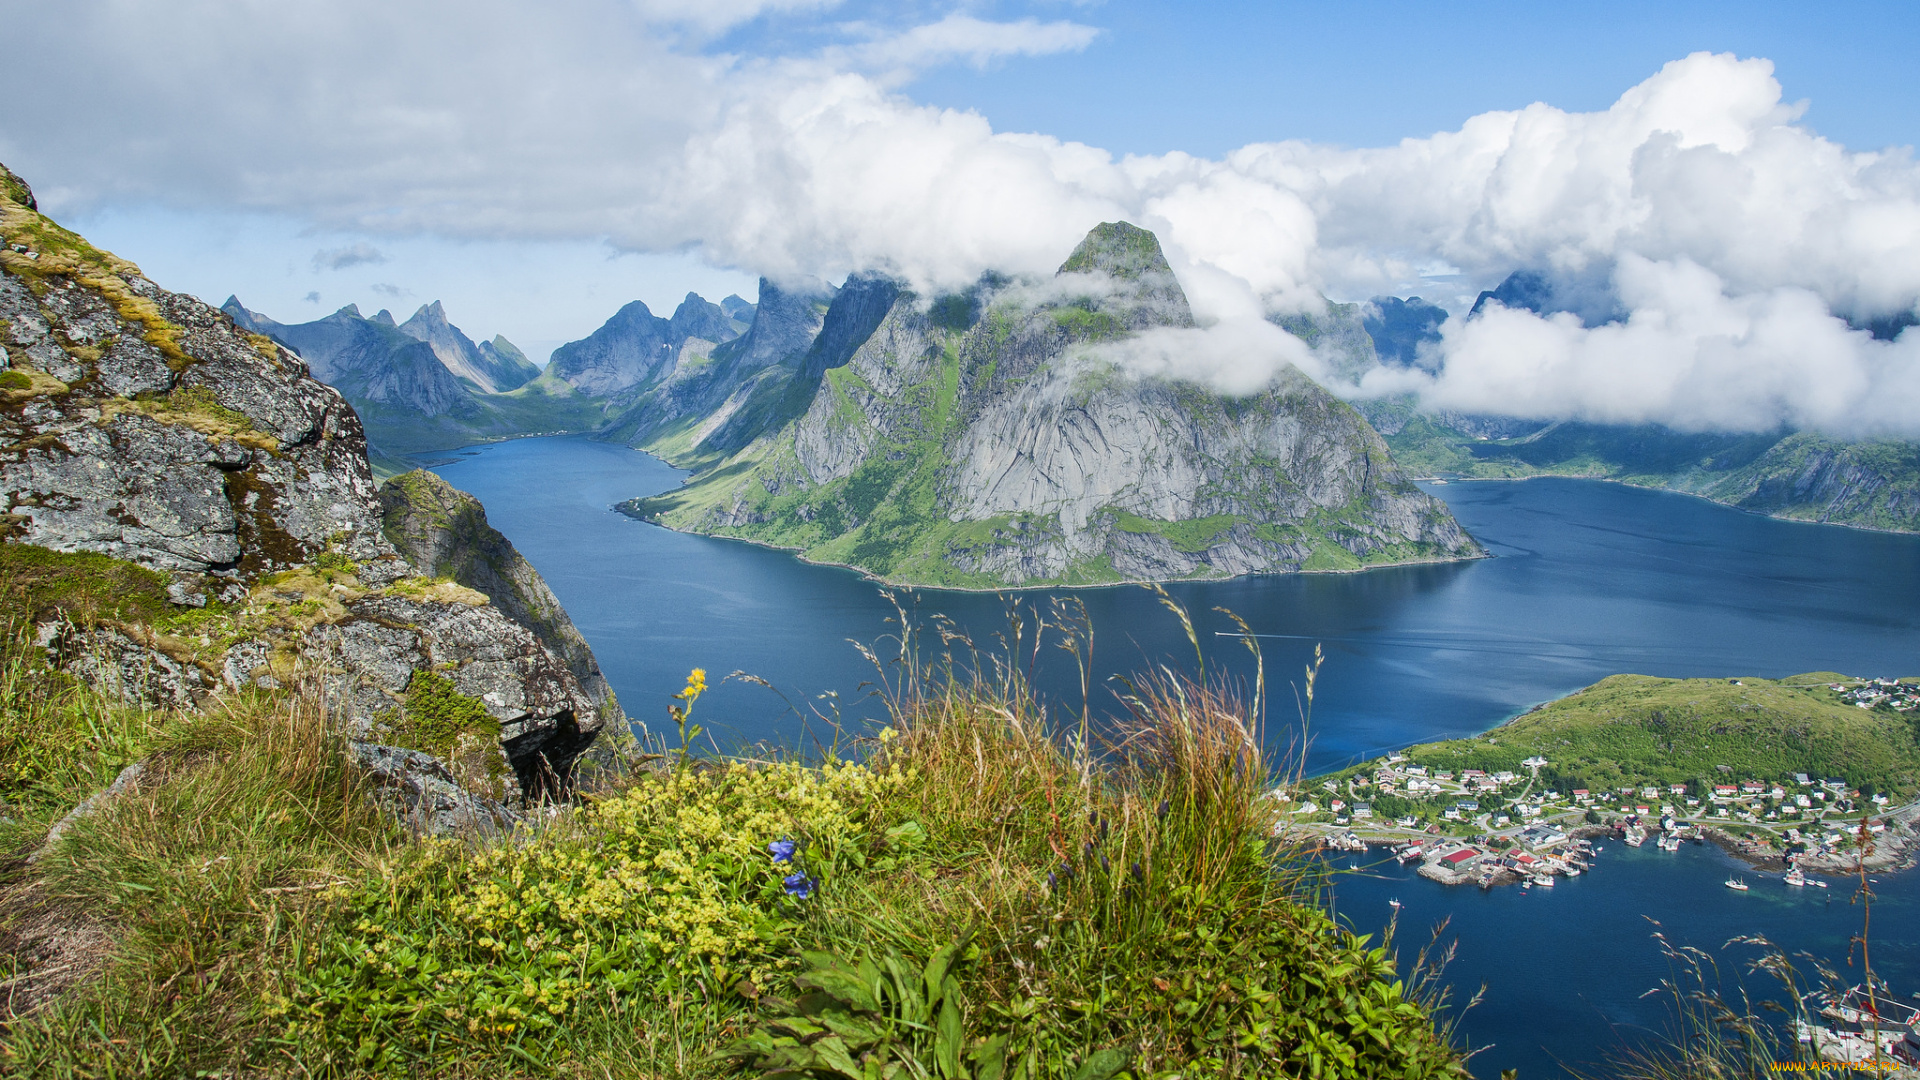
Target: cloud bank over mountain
[[1738, 242]]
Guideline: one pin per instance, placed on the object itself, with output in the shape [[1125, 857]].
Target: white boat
[[1544, 880], [1395, 904], [1795, 878], [1573, 871], [1736, 883]]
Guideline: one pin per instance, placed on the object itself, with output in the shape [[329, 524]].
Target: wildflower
[[1138, 873], [1052, 883], [782, 850], [1105, 866], [1164, 807], [799, 885]]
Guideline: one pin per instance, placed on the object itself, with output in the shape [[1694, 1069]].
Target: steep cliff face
[[988, 439], [206, 462], [443, 532]]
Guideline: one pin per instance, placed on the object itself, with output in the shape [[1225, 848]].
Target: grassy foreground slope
[[1638, 729], [955, 897]]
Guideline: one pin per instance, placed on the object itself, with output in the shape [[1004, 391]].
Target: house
[[1535, 762], [1459, 859], [1725, 791], [1676, 789], [1802, 779], [1752, 787], [1362, 810], [1468, 805]]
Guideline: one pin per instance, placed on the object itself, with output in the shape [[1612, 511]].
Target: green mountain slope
[[1637, 729], [1803, 476], [986, 440]]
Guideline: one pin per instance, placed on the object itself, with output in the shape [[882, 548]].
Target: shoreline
[[1666, 490], [800, 555]]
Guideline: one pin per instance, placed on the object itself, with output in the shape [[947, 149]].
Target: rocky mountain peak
[[384, 318], [1140, 290], [1119, 249], [785, 322], [696, 317], [491, 374]]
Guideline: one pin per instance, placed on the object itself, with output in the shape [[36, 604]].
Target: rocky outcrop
[[994, 438], [444, 533], [145, 426], [423, 793]]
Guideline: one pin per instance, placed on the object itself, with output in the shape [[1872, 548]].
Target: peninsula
[[1816, 772]]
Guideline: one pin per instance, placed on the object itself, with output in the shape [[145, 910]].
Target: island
[[1813, 773]]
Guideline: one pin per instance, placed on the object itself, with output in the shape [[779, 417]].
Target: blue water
[[1588, 580]]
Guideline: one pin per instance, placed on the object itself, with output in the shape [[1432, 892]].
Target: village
[[1472, 827], [1896, 694]]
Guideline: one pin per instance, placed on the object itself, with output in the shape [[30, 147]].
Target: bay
[[1586, 580]]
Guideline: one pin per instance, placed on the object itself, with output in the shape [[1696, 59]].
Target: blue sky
[[536, 166], [1207, 78]]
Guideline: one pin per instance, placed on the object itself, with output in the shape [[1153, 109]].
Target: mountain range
[[424, 385], [867, 425]]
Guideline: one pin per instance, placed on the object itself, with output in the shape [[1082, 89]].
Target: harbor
[[1586, 959]]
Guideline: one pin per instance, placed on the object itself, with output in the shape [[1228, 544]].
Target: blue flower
[[799, 885], [782, 850]]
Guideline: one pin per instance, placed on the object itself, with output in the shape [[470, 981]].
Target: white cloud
[[1236, 356], [1733, 234], [975, 41]]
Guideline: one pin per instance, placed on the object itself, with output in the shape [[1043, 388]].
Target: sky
[[1738, 176]]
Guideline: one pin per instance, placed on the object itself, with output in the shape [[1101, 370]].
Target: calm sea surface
[[1588, 580]]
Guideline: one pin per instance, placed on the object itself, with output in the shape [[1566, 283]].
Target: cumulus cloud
[[340, 258], [1235, 356], [1738, 241]]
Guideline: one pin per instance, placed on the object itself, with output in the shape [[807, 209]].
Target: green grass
[[1637, 729], [990, 899]]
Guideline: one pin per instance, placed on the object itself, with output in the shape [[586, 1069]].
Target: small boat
[[1795, 878], [1395, 904], [1573, 871], [1736, 883], [1544, 880]]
